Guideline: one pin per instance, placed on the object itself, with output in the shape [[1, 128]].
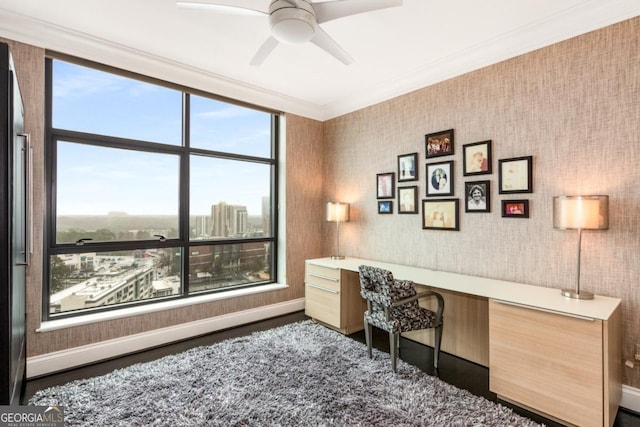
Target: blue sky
[[95, 180]]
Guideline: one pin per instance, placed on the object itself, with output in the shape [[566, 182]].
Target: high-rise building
[[229, 220], [202, 226]]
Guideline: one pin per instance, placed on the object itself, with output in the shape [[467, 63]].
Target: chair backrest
[[379, 286], [376, 284]]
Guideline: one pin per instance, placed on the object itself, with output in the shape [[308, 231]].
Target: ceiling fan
[[294, 21]]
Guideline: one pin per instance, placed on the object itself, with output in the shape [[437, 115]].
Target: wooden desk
[[554, 355]]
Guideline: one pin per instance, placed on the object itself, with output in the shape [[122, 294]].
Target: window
[[155, 192]]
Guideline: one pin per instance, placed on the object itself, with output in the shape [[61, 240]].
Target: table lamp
[[337, 212], [580, 213]]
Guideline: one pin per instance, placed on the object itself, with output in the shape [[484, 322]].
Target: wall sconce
[[337, 212], [580, 213]]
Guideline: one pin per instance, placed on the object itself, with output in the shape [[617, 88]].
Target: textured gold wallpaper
[[574, 107], [304, 195]]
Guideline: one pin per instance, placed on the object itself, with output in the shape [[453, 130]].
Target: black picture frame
[[515, 175], [476, 158], [515, 208], [439, 179], [385, 185], [477, 196], [440, 214], [408, 200], [385, 207], [439, 144], [408, 167]]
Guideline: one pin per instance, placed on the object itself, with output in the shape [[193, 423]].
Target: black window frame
[[184, 151]]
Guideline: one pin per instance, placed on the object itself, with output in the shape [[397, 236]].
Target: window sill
[[52, 325]]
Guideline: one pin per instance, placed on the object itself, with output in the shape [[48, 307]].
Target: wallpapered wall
[[574, 107]]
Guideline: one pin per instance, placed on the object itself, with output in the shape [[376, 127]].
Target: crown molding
[[588, 16]]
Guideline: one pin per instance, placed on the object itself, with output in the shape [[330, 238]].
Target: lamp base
[[337, 256], [571, 293]]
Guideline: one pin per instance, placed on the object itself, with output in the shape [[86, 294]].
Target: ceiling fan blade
[[235, 7], [325, 42], [328, 11], [264, 51]]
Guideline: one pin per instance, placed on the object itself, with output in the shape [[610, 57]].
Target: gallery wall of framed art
[[515, 176]]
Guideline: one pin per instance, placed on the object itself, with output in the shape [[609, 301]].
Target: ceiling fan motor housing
[[290, 24]]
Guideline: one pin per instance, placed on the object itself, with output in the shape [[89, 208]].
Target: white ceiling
[[396, 50]]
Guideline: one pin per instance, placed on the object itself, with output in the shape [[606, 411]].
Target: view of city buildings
[[92, 279], [230, 221]]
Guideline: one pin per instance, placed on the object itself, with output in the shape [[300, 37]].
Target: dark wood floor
[[455, 371]]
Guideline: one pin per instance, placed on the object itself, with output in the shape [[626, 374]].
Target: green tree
[[143, 235], [103, 235], [59, 273], [73, 235]]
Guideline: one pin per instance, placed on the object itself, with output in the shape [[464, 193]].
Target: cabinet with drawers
[[564, 366], [332, 297]]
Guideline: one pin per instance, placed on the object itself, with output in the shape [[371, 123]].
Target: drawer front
[[322, 304], [323, 277], [547, 361]]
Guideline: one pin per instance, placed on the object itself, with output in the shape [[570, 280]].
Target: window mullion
[[185, 193]]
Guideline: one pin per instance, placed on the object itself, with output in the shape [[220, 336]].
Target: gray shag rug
[[301, 374]]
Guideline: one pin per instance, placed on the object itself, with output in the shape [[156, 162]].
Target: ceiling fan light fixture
[[292, 25], [296, 21], [292, 31]]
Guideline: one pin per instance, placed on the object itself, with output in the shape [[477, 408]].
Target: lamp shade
[[581, 212], [337, 212]]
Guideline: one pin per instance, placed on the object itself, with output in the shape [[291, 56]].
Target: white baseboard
[[78, 356], [630, 398]]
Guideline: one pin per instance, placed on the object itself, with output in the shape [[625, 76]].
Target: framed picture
[[408, 200], [515, 208], [440, 179], [478, 196], [440, 214], [386, 185], [476, 158], [408, 167], [385, 207], [515, 175], [439, 143]]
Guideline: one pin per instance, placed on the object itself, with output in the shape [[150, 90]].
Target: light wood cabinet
[[466, 325], [563, 366], [332, 297]]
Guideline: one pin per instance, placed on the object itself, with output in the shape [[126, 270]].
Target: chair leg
[[436, 350], [394, 343], [368, 331]]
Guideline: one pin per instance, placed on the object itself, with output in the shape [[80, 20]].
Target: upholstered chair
[[392, 305]]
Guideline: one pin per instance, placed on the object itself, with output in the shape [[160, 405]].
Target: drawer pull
[[515, 304], [320, 276], [322, 288]]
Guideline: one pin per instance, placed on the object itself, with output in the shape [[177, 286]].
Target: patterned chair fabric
[[392, 305]]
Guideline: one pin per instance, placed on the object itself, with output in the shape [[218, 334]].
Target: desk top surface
[[528, 295]]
